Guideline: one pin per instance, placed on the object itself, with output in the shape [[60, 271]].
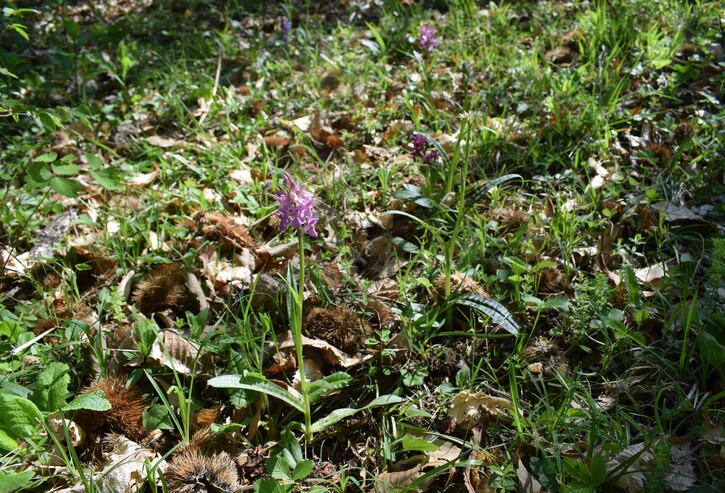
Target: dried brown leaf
[[468, 409], [328, 352], [143, 179], [172, 350]]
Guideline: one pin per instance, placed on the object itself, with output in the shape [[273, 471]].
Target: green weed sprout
[[296, 211]]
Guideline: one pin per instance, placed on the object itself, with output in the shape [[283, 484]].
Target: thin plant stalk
[[450, 246], [297, 337]]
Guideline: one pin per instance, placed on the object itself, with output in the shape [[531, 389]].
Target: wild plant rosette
[[296, 207]]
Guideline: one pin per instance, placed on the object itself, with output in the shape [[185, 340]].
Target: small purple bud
[[286, 26]]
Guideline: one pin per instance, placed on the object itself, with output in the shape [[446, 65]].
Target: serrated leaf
[[92, 401], [289, 448], [302, 469], [65, 169], [51, 389], [66, 186], [19, 417], [492, 309], [258, 383], [268, 486], [475, 193], [278, 468]]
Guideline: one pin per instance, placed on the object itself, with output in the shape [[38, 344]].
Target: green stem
[[450, 247], [297, 335]]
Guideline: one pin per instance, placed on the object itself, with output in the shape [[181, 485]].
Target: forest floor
[[517, 281]]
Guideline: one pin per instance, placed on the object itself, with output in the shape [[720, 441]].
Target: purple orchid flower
[[420, 146], [427, 39], [296, 207]]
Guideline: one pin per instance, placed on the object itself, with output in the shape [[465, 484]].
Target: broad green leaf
[[240, 398], [384, 400], [418, 444], [492, 309], [344, 412], [72, 28], [46, 158], [278, 468], [107, 178], [38, 175], [268, 486], [65, 169], [65, 186], [289, 448], [49, 119], [259, 383], [8, 73], [413, 193], [94, 161], [93, 401], [15, 481], [711, 349], [19, 417], [302, 469], [557, 303], [51, 390], [336, 381], [7, 443], [332, 418], [156, 417], [10, 329], [405, 245]]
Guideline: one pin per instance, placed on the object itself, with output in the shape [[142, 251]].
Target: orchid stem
[[297, 334]]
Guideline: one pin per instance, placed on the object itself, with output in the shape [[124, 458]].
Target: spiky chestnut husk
[[126, 413], [340, 326], [164, 288], [193, 472]]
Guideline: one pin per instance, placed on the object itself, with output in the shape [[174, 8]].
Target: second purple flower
[[420, 146]]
